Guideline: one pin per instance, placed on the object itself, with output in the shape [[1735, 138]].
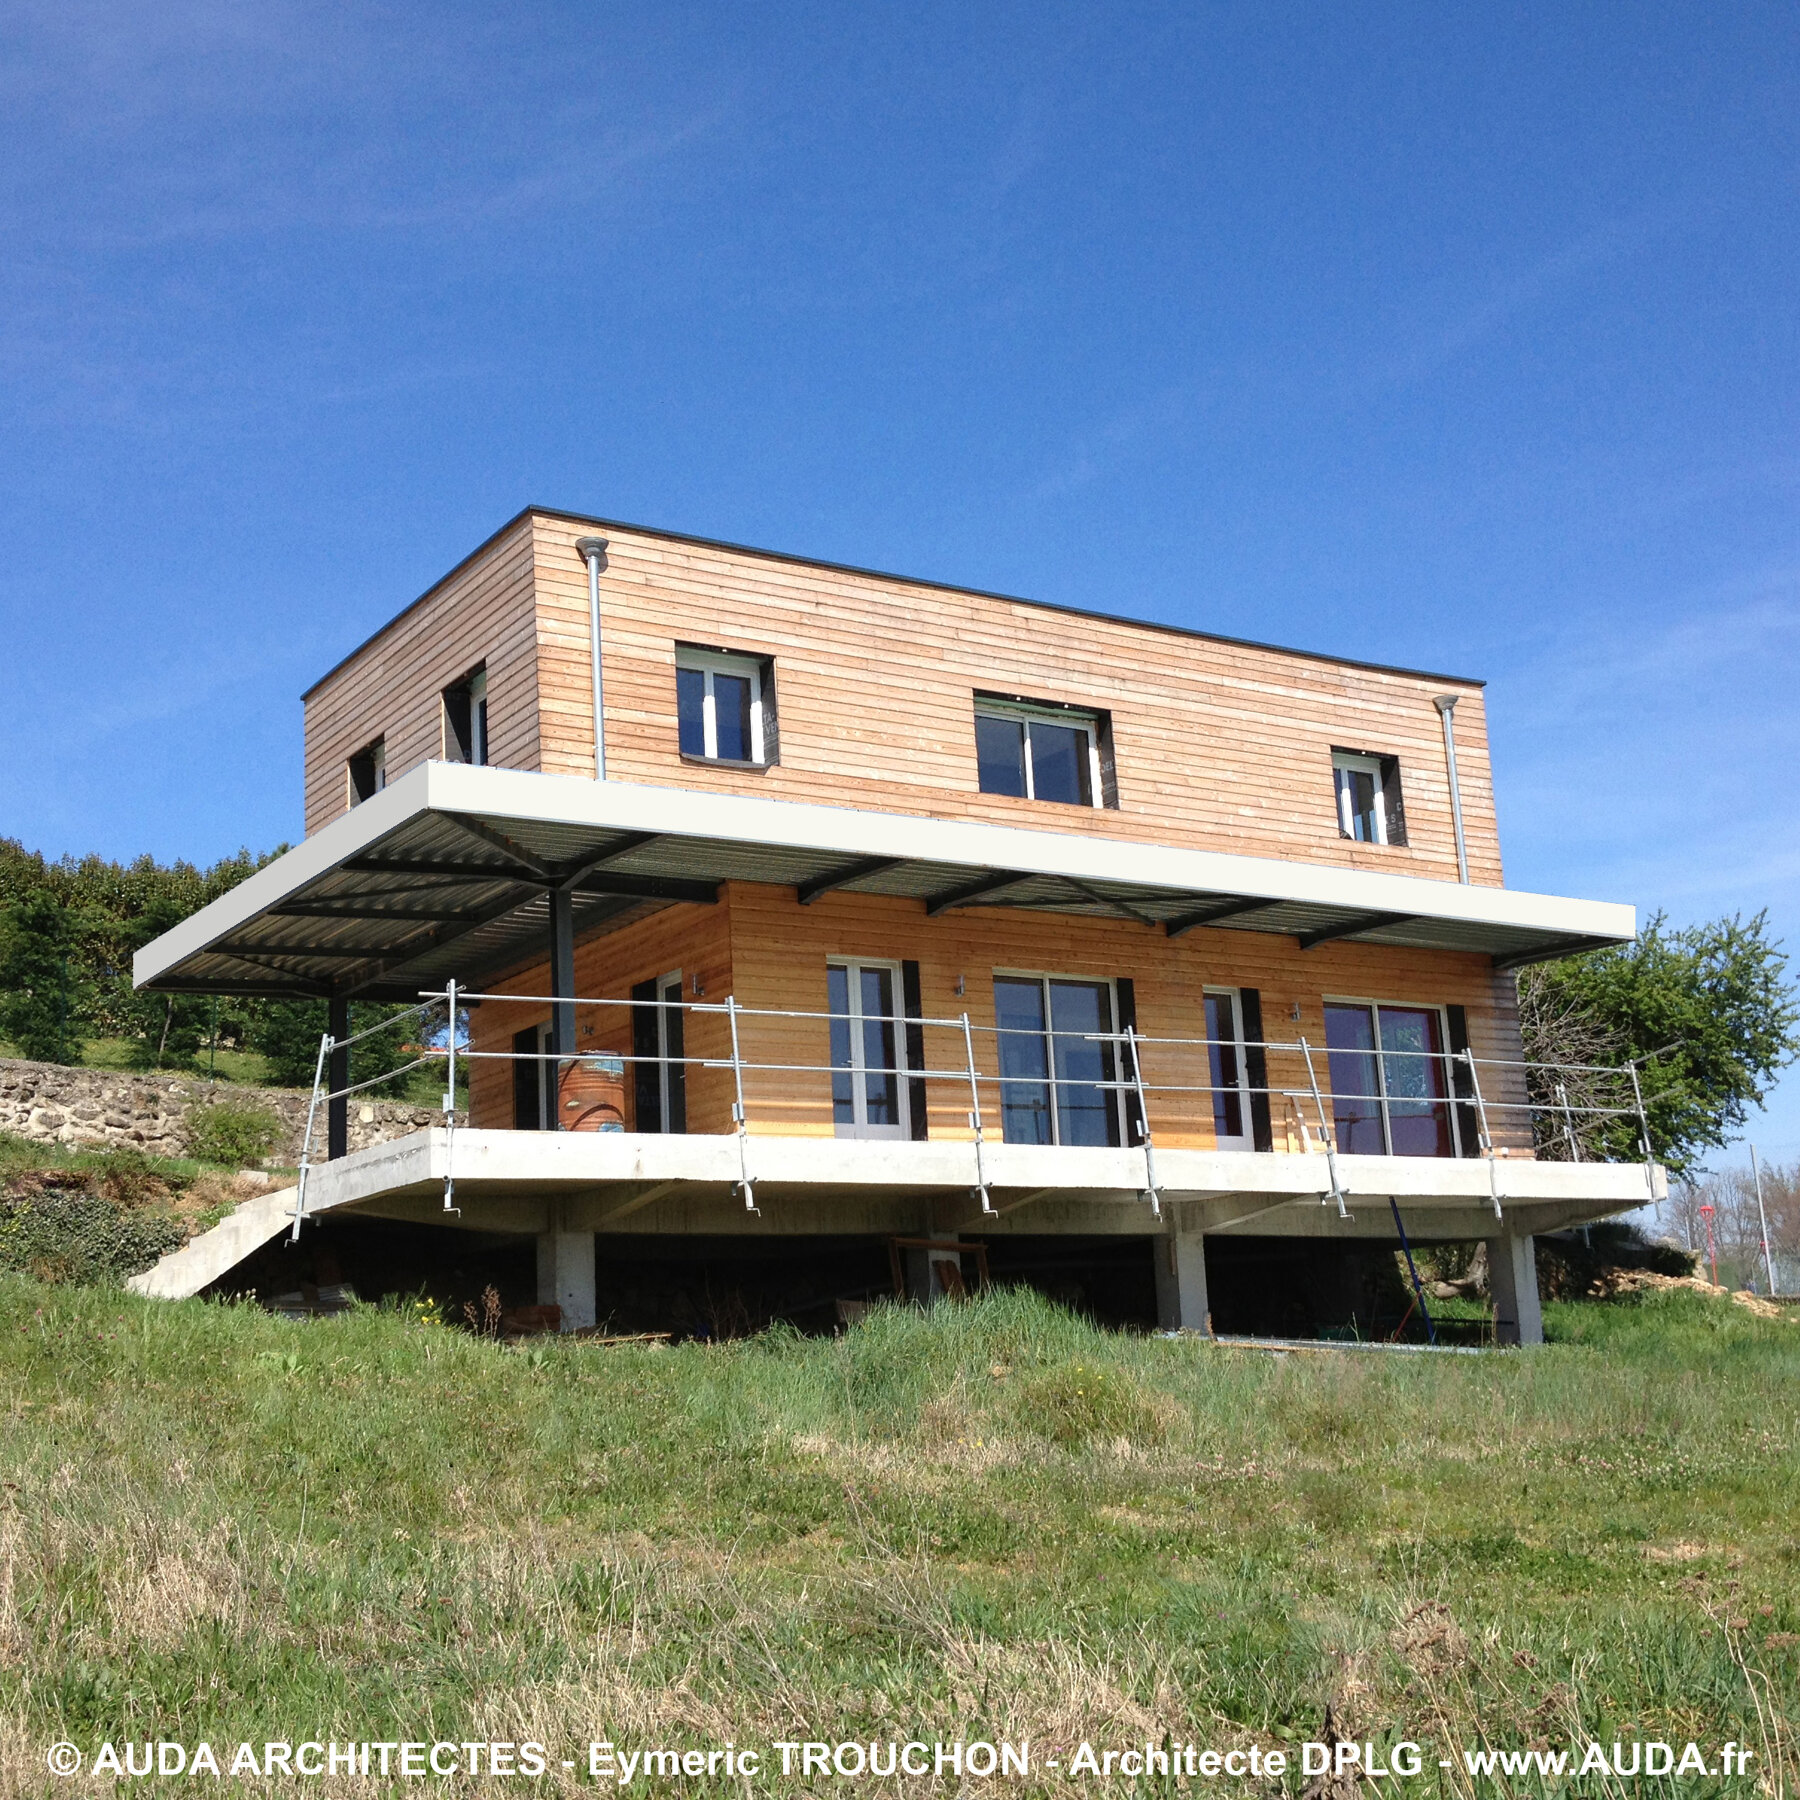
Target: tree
[[288, 1032], [1707, 1014], [43, 990]]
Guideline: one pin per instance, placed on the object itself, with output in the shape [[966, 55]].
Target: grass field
[[990, 1522]]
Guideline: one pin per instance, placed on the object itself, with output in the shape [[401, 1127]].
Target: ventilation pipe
[[1446, 705], [593, 550]]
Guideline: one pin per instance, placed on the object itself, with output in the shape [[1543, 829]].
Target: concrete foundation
[[565, 1276], [1181, 1300], [1512, 1278]]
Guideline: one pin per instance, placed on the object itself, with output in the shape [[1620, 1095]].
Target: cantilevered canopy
[[449, 872]]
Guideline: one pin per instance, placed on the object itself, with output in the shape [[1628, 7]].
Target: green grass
[[991, 1521]]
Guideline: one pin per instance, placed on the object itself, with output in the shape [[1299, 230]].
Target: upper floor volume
[[751, 673]]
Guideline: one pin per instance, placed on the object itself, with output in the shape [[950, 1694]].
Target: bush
[[65, 1230], [231, 1134]]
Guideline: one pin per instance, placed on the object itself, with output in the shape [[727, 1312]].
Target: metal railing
[[1450, 1083]]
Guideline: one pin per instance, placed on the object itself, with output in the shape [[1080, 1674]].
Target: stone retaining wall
[[107, 1108]]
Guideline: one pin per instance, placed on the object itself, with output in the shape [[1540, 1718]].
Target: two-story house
[[789, 898]]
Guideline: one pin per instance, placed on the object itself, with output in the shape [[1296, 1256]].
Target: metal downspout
[[1446, 705], [593, 551]]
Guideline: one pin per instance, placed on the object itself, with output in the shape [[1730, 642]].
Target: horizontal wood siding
[[772, 953], [694, 939], [393, 687], [1216, 745]]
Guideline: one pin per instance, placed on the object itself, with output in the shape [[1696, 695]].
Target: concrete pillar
[[337, 1077], [1181, 1301], [562, 982], [1512, 1279], [921, 1271], [565, 1275]]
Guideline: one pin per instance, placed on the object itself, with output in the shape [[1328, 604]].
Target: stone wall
[[107, 1108]]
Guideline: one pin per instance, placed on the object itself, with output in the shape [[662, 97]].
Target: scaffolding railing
[[1044, 1081]]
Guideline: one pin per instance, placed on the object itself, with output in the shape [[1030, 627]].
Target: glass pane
[[1418, 1094], [1000, 754], [1024, 1089], [1059, 764], [881, 1085], [1355, 1081], [690, 703], [1221, 1030], [843, 1093], [1085, 1112], [731, 702], [1360, 797]]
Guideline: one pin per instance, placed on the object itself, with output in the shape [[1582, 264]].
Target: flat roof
[[837, 568], [447, 874]]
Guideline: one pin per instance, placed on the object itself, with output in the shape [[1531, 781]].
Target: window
[[659, 1075], [1040, 752], [368, 772], [1229, 1078], [1390, 1091], [1368, 797], [1057, 1073], [466, 720], [868, 1097], [725, 704], [533, 1080]]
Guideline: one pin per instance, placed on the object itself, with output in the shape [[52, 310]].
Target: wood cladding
[[393, 687], [1216, 745], [760, 946]]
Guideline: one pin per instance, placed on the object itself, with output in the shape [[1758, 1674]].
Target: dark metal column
[[337, 1077], [562, 987]]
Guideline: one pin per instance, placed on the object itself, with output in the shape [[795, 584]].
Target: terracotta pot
[[591, 1094]]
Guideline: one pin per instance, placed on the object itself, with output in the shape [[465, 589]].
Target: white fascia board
[[345, 837], [840, 831]]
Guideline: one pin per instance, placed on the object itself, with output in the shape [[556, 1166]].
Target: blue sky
[[1459, 336]]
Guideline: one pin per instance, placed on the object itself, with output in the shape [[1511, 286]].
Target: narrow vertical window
[[868, 1096], [1227, 1076], [466, 719], [368, 772]]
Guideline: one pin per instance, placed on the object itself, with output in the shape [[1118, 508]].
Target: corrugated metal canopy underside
[[465, 896]]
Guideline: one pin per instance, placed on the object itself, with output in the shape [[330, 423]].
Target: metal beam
[[1329, 934], [326, 952], [337, 1077], [571, 872], [960, 896], [860, 870], [648, 887], [357, 907], [1518, 959], [1211, 915], [1123, 908], [412, 865], [498, 840], [199, 984]]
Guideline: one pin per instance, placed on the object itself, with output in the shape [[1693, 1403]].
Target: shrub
[[231, 1133], [68, 1231]]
